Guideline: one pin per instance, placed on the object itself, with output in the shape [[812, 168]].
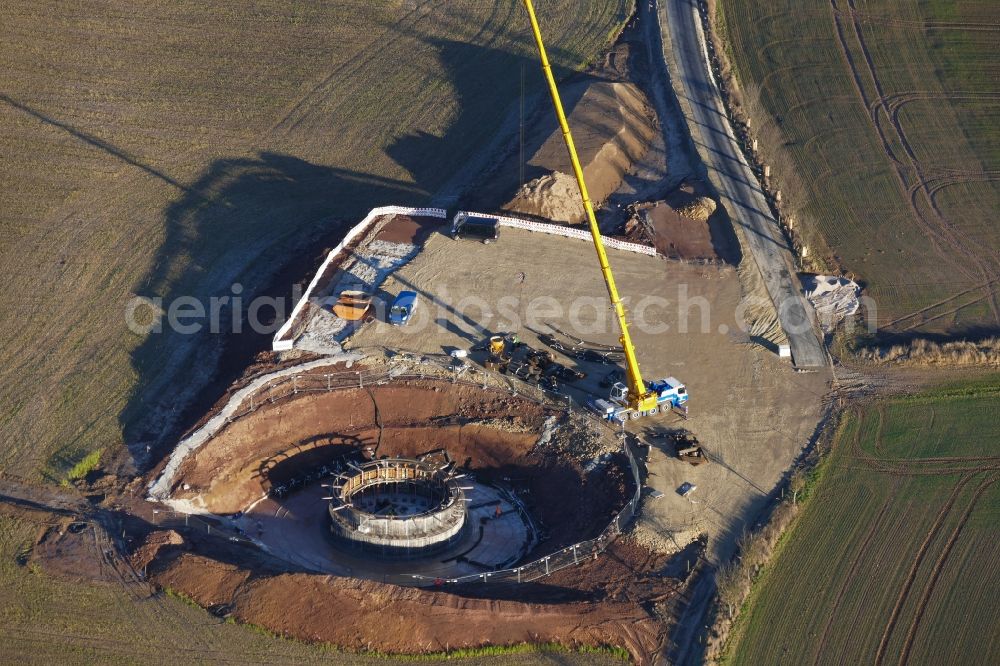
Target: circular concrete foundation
[[398, 507]]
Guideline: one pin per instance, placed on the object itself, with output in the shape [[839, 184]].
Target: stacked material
[[834, 298]]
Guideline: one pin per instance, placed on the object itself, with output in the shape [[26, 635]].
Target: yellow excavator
[[635, 398]]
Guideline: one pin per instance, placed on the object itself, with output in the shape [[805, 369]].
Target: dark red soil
[[493, 434], [406, 229], [603, 600], [607, 606]]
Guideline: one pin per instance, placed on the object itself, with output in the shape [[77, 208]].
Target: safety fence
[[440, 370], [284, 339], [289, 386], [569, 556], [568, 232]]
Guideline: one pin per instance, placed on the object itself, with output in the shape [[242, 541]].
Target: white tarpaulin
[[834, 298]]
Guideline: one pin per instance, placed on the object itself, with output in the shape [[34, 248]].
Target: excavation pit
[[399, 507], [280, 473]]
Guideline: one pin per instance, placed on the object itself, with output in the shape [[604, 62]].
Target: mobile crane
[[636, 397]]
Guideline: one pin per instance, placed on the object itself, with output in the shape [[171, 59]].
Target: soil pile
[[699, 210], [355, 614], [554, 196], [685, 225], [612, 127], [152, 545]]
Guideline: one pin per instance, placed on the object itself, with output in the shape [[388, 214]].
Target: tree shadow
[[242, 228], [476, 72], [237, 233]]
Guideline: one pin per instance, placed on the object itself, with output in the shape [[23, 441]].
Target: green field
[[170, 149], [883, 122], [894, 558]]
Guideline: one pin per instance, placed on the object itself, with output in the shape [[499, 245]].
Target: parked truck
[[670, 393]]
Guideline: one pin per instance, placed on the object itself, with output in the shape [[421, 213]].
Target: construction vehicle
[[688, 449], [352, 304], [498, 359], [635, 397], [476, 227]]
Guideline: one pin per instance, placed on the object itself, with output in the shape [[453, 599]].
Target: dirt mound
[[355, 614], [699, 210], [612, 127], [554, 196], [675, 233], [207, 581], [152, 545]]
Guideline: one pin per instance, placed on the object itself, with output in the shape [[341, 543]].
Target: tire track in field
[[917, 313], [918, 559], [879, 428], [899, 467], [940, 233], [965, 26], [938, 567], [849, 578], [953, 236], [145, 598], [933, 238], [942, 182], [955, 310], [304, 105]]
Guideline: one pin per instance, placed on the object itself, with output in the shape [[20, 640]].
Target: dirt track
[[700, 99]]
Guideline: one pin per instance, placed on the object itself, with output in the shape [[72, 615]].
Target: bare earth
[[750, 409], [612, 129]]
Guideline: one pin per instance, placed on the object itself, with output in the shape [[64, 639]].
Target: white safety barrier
[[568, 232], [284, 339]]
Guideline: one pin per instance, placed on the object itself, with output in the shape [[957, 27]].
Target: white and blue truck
[[670, 393]]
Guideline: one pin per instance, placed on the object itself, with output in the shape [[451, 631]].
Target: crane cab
[[627, 408], [669, 392]]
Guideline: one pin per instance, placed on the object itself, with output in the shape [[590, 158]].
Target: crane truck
[[635, 397]]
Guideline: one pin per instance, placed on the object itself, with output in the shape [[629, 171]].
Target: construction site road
[[685, 51]]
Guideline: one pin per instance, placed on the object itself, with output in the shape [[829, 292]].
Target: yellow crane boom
[[640, 398]]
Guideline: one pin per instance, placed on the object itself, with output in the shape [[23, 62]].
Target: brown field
[[881, 121], [172, 149], [168, 150]]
